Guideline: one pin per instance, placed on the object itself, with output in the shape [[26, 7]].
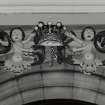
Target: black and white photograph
[[52, 52]]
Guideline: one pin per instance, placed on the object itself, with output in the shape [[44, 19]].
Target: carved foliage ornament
[[99, 41], [5, 43]]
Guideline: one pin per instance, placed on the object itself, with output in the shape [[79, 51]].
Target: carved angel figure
[[16, 62], [88, 61]]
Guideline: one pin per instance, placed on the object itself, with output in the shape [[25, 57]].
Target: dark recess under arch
[[60, 102]]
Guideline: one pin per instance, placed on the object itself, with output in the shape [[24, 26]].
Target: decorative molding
[[50, 2], [51, 9], [55, 6]]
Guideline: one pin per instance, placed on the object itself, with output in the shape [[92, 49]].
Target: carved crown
[[49, 34]]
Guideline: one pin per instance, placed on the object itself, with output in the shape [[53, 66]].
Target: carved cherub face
[[16, 35], [88, 34]]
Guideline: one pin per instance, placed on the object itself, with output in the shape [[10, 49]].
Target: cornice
[[55, 6]]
